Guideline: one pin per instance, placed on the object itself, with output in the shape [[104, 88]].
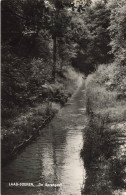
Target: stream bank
[[19, 131], [104, 150], [54, 157], [25, 129]]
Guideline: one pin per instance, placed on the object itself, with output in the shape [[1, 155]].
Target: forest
[[40, 39], [43, 44]]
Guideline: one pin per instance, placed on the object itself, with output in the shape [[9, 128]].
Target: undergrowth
[[104, 149]]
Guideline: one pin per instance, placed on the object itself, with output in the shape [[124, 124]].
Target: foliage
[[26, 51], [93, 38], [40, 38], [117, 30], [103, 149]]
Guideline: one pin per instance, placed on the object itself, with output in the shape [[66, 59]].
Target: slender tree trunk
[[54, 57]]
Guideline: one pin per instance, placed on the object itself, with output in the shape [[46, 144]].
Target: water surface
[[54, 158]]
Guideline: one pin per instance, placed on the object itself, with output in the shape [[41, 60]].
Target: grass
[[104, 149], [20, 124], [23, 127]]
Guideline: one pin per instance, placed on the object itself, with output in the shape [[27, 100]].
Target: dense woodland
[[41, 38]]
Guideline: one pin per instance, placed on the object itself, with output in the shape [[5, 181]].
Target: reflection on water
[[53, 158]]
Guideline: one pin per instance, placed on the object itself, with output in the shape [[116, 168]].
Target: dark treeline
[[35, 41], [40, 38]]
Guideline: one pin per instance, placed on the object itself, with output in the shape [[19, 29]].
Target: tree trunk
[[54, 57]]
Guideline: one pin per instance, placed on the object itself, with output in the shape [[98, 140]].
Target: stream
[[52, 163]]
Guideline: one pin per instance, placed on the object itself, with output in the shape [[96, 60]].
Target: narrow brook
[[54, 158]]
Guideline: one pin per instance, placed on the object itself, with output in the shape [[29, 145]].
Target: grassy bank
[[104, 149], [21, 125]]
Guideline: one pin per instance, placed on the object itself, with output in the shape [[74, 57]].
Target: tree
[[117, 30], [24, 26], [97, 24], [60, 22], [94, 43], [27, 31]]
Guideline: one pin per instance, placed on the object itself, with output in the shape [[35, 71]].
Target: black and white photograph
[[63, 97]]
